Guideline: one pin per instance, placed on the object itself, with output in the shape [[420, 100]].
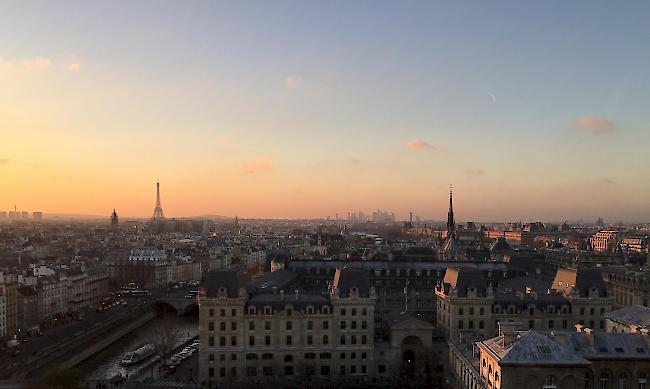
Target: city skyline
[[302, 111]]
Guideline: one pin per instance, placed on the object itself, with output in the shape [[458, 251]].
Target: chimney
[[275, 290], [282, 295], [509, 331], [296, 292]]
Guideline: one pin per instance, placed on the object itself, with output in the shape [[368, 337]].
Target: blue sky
[[305, 109]]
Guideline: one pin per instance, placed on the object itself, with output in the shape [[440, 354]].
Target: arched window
[[550, 382]]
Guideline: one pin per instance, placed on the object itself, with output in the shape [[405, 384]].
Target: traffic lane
[[54, 335]]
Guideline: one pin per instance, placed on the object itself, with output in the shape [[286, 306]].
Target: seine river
[[106, 364]]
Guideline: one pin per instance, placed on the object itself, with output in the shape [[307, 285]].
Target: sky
[[304, 109]]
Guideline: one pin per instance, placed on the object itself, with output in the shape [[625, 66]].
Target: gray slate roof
[[637, 315]]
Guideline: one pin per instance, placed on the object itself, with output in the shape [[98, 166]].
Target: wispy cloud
[[607, 181], [256, 165], [475, 172], [34, 64], [419, 144], [595, 126], [74, 67], [292, 81], [4, 161], [356, 161]]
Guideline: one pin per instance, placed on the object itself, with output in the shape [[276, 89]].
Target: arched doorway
[[411, 354]]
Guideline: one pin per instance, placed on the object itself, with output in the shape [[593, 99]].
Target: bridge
[[180, 304]]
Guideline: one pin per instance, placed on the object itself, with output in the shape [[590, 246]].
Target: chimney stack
[[296, 292], [509, 331], [282, 295]]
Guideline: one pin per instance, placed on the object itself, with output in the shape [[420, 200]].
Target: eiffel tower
[[158, 212]]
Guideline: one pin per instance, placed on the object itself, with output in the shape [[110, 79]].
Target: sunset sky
[[532, 110]]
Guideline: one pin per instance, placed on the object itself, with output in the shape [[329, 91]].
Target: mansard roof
[[463, 279], [217, 279], [348, 278]]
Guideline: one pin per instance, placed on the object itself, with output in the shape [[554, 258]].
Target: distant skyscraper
[[114, 218], [158, 211], [37, 216]]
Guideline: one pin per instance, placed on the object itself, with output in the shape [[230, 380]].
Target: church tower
[[451, 224]]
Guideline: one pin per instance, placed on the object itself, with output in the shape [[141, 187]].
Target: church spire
[[451, 224]]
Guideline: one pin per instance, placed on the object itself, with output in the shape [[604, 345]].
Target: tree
[[60, 379], [164, 335]]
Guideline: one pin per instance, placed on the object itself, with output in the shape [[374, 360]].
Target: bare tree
[[164, 335]]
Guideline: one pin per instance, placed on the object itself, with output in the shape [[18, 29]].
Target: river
[[106, 364]]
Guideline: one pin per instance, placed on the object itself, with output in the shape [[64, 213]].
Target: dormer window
[[310, 310], [354, 290], [251, 310], [222, 290], [325, 310]]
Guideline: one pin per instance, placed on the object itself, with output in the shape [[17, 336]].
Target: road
[[39, 348]]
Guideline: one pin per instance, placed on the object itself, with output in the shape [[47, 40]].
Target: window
[[354, 311], [233, 372], [251, 310], [310, 356], [604, 378], [251, 371], [233, 341], [481, 324], [211, 312], [460, 324], [251, 325], [222, 312], [222, 341], [531, 324], [222, 357], [582, 311], [471, 311], [550, 324], [364, 324], [210, 357], [481, 311], [324, 370], [289, 325], [326, 325], [267, 356], [233, 357], [222, 372], [251, 341], [592, 311], [381, 369], [353, 355], [353, 325], [289, 340], [550, 382], [353, 369], [211, 341], [353, 339], [310, 339], [267, 340], [364, 312], [342, 325], [325, 356], [288, 370], [342, 370], [460, 311], [470, 324], [364, 339], [267, 310], [233, 313], [267, 325], [267, 371], [211, 372], [289, 311], [211, 326], [310, 325], [342, 311], [233, 326], [222, 326], [342, 341], [326, 339]]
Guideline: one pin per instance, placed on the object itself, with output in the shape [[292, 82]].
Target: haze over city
[[297, 110]]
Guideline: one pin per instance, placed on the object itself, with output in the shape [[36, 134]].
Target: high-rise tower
[[451, 224], [158, 212]]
